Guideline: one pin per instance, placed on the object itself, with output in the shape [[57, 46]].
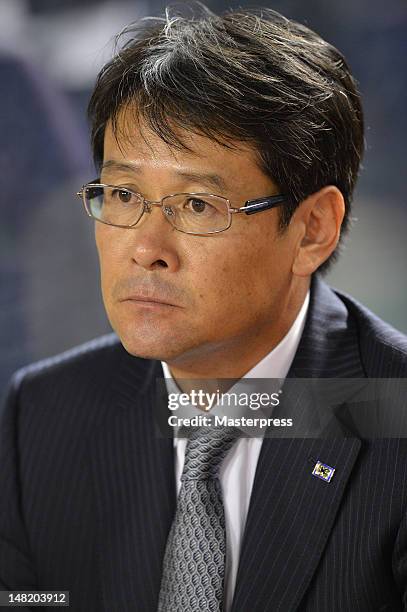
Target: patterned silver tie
[[194, 560]]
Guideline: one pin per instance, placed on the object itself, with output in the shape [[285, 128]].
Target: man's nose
[[154, 242]]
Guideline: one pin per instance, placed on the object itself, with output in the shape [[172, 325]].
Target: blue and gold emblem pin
[[323, 471]]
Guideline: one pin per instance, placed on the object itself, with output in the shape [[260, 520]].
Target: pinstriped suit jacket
[[88, 492]]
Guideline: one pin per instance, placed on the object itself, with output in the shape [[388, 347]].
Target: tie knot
[[206, 448]]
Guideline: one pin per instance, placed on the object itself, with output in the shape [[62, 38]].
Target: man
[[228, 149]]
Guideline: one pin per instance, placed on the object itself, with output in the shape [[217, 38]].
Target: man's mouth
[[152, 300]]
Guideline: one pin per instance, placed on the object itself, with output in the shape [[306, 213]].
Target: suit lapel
[[134, 488], [292, 512], [290, 516]]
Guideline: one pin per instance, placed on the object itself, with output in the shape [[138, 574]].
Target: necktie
[[194, 559]]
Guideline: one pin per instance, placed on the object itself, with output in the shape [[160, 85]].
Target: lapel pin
[[323, 471]]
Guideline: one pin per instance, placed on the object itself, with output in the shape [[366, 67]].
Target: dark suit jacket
[[88, 491]]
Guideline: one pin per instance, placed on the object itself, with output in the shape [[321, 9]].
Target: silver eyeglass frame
[[249, 208]]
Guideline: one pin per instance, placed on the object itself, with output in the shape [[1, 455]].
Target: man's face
[[209, 294]]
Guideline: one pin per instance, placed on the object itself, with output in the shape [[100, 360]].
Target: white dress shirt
[[237, 470]]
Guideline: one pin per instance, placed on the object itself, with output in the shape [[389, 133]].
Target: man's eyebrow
[[211, 179], [119, 166]]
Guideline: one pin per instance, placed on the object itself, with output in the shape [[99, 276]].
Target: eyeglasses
[[201, 214]]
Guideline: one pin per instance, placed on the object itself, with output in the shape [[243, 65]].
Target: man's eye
[[197, 206], [122, 196]]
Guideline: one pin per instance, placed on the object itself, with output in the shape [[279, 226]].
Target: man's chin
[[149, 336], [161, 349]]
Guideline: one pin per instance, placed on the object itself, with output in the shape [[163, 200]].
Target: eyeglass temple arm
[[253, 206]]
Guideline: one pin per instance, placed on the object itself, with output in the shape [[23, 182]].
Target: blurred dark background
[[50, 53]]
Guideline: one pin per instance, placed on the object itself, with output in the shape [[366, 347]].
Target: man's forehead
[[132, 137]]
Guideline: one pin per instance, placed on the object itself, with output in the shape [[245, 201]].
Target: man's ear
[[318, 220]]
